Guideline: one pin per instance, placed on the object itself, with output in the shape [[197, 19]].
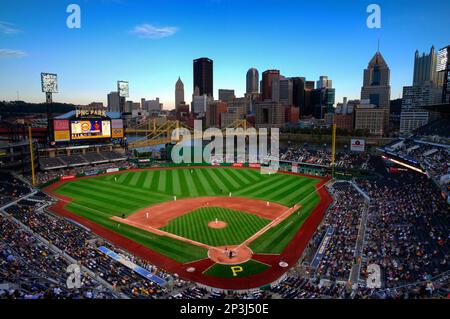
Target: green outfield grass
[[100, 197], [251, 267], [195, 226]]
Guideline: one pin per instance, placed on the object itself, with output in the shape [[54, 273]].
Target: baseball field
[[218, 222]]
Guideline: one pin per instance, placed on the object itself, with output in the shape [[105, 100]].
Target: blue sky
[[150, 43]]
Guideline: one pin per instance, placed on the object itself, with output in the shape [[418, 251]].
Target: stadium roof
[[112, 115]]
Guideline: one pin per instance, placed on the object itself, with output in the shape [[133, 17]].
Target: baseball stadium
[[225, 227], [199, 155]]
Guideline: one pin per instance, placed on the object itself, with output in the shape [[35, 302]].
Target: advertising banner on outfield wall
[[67, 177], [112, 170], [357, 145], [294, 168]]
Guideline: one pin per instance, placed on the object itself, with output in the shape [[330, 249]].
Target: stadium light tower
[[49, 85]]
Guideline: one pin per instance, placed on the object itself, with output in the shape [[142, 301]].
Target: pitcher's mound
[[221, 255], [217, 224]]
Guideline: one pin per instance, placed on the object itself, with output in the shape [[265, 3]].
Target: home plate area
[[224, 226]]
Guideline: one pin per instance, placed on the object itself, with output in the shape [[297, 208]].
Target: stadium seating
[[407, 234]]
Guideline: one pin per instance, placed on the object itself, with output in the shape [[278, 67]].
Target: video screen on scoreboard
[[88, 129]]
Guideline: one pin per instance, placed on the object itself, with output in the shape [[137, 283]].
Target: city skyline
[[157, 46]]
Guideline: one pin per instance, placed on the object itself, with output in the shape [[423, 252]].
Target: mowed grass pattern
[[100, 197], [194, 225]]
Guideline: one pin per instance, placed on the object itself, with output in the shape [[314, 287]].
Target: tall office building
[[269, 114], [214, 111], [426, 90], [286, 91], [324, 83], [298, 93], [153, 105], [425, 68], [275, 88], [266, 83], [226, 95], [376, 87], [179, 93], [322, 101], [113, 102], [203, 76], [372, 118], [373, 112], [252, 81]]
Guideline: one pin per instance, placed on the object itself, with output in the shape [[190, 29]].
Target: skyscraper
[[286, 91], [426, 90], [266, 83], [226, 95], [179, 93], [376, 86], [425, 68], [298, 94], [203, 76], [324, 82], [114, 102], [252, 81], [373, 112]]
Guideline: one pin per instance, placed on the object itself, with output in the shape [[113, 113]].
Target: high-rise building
[[252, 82], [426, 90], [153, 105], [376, 86], [214, 111], [113, 102], [372, 118], [322, 101], [179, 93], [324, 83], [266, 83], [298, 93], [199, 103], [203, 76], [269, 114], [236, 110], [286, 91], [425, 68], [275, 88], [226, 95]]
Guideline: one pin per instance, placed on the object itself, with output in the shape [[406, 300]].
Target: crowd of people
[[49, 175], [433, 157], [34, 271], [322, 156], [344, 216], [408, 231], [82, 245], [11, 188], [407, 234]]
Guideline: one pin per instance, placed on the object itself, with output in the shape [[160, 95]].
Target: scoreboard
[[87, 124], [90, 129]]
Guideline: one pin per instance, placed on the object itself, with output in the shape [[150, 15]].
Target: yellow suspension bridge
[[159, 131]]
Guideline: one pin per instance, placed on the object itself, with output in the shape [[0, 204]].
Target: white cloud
[[7, 53], [8, 28], [149, 31]]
